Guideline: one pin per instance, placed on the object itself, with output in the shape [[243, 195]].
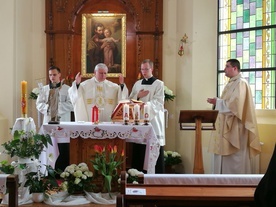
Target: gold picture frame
[[103, 41]]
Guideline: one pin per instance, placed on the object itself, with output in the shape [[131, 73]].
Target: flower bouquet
[[132, 176], [106, 163], [172, 158], [77, 178], [34, 94], [169, 96]]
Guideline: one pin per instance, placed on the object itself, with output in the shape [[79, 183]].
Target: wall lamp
[[181, 45]]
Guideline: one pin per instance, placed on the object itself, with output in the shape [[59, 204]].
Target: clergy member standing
[[150, 90], [53, 100], [96, 91], [237, 140]]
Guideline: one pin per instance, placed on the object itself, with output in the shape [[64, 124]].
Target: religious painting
[[103, 41]]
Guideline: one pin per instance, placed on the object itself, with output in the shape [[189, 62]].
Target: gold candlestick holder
[[126, 122], [136, 122], [146, 122]]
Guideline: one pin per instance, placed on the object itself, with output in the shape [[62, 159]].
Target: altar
[[82, 136]]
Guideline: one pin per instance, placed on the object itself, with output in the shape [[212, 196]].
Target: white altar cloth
[[142, 134], [204, 179]]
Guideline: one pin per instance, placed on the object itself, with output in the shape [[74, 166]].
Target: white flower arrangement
[[77, 178], [169, 96], [132, 176], [172, 158], [34, 94]]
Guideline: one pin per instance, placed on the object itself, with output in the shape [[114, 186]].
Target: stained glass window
[[247, 31]]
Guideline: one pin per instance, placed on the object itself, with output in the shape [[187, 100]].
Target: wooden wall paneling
[[143, 22]]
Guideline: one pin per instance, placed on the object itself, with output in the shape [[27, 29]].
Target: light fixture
[[181, 45]]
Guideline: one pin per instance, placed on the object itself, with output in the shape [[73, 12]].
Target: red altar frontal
[[82, 137]]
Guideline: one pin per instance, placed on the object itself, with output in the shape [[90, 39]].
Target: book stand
[[198, 120]]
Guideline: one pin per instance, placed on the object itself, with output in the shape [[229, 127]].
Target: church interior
[[39, 33]]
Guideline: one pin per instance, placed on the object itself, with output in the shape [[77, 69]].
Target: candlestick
[[24, 98], [126, 113], [136, 113], [146, 114]]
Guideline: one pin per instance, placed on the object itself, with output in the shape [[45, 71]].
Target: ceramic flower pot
[[37, 197]]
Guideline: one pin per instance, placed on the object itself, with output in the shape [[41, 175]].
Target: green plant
[[132, 176], [6, 168], [26, 144], [169, 96], [34, 94], [39, 182], [77, 178], [107, 163], [172, 158]]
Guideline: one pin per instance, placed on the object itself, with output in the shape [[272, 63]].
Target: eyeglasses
[[145, 69]]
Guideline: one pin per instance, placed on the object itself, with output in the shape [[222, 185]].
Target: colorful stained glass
[[253, 47]]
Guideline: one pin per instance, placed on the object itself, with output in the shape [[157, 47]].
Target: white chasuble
[[236, 138], [105, 95]]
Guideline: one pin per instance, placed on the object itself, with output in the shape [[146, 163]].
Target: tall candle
[[136, 112], [95, 114], [126, 112], [146, 112], [24, 103]]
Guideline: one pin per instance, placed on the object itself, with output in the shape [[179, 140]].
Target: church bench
[[190, 190], [12, 186]]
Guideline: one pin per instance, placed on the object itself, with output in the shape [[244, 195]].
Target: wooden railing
[[186, 195]]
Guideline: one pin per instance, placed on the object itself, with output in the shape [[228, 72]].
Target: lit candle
[[126, 112], [95, 114], [146, 112], [24, 105], [136, 112]]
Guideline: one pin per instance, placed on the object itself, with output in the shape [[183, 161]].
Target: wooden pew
[[12, 186], [187, 195]]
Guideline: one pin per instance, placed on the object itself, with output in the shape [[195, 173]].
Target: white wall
[[22, 52], [192, 77]]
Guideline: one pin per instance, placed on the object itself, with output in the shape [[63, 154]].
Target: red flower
[[123, 153], [98, 149]]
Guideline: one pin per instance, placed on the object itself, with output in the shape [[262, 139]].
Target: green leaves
[[106, 163], [26, 144]]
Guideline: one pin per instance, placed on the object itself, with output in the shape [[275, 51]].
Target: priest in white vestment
[[96, 91], [236, 140], [150, 91]]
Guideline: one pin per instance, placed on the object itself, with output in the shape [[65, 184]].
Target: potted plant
[[39, 182], [171, 159], [6, 168], [132, 176], [77, 179], [26, 144], [106, 164], [168, 93]]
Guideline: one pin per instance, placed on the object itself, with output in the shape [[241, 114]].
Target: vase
[[169, 169], [37, 197], [24, 160]]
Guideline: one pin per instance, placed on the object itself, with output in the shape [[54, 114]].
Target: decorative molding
[[61, 5], [146, 5]]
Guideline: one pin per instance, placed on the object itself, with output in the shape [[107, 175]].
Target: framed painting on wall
[[103, 41]]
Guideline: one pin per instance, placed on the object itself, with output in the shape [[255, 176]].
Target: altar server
[[96, 91], [150, 90], [53, 100]]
